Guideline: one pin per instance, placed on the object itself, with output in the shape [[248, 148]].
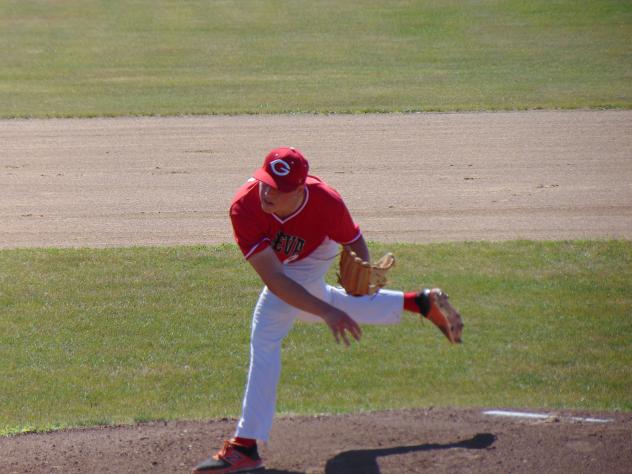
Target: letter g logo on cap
[[280, 167]]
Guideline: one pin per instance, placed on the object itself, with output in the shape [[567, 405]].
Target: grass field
[[121, 335], [95, 58], [93, 337]]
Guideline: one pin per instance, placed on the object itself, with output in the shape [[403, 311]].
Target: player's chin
[[269, 208]]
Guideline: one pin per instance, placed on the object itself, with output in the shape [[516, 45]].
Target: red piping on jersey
[[255, 246], [354, 239], [283, 221]]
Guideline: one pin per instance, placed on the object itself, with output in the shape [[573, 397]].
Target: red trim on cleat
[[228, 460]]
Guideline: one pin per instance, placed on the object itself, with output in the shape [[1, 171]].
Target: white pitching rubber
[[544, 416]]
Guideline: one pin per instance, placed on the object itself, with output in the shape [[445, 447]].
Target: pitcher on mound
[[290, 226]]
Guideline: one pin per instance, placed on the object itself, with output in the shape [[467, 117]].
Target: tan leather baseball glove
[[360, 278]]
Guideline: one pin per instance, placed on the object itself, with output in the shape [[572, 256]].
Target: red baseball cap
[[284, 169]]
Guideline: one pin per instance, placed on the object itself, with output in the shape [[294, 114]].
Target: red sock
[[245, 442], [409, 302]]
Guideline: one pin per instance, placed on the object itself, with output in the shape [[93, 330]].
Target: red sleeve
[[343, 229], [250, 238]]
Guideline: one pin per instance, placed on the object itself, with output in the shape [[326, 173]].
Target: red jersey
[[323, 214]]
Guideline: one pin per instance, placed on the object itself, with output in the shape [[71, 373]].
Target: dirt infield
[[412, 178]]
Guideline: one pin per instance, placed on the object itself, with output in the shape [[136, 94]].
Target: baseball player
[[290, 226]]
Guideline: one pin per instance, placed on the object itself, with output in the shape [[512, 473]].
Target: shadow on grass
[[364, 461]]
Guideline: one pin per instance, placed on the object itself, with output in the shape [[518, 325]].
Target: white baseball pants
[[273, 319]]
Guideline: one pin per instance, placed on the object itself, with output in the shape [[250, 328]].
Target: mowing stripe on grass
[[149, 57]]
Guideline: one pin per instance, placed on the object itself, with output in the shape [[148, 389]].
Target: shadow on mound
[[276, 471], [364, 461]]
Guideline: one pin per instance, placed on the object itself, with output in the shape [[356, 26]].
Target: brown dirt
[[430, 440], [412, 178]]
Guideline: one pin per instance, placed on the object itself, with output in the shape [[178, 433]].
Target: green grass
[[152, 57], [92, 337]]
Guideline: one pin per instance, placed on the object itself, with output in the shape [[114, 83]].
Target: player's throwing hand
[[339, 322]]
